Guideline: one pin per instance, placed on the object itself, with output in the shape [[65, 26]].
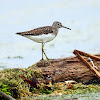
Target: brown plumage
[[38, 31]]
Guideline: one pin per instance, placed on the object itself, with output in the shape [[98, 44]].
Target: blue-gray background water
[[82, 16]]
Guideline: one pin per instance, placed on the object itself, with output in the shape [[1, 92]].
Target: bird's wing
[[38, 31]]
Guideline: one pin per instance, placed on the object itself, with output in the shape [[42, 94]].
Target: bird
[[43, 34]]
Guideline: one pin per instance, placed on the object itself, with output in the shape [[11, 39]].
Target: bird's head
[[57, 24]]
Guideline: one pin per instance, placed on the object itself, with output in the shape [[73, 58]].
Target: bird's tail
[[19, 33]]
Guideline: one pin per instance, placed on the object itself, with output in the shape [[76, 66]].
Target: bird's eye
[[58, 24]]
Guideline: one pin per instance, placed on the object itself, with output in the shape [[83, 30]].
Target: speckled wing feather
[[37, 31]]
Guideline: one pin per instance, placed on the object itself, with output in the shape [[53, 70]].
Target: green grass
[[10, 80], [5, 88]]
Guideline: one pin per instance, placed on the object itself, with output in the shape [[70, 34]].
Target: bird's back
[[41, 34], [38, 31]]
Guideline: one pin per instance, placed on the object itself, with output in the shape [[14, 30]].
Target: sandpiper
[[43, 34]]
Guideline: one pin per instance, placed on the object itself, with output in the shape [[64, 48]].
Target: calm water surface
[[88, 96], [82, 16]]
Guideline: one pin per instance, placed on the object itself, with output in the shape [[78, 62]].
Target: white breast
[[41, 38]]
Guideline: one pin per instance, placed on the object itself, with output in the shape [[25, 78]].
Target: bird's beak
[[66, 27]]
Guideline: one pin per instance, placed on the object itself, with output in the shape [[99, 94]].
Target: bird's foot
[[42, 60]]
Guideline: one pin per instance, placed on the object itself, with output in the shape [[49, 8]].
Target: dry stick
[[88, 55], [86, 63], [6, 96]]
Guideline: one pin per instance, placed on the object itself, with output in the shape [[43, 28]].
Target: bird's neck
[[56, 31]]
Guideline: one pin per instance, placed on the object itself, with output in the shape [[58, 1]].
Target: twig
[[77, 53], [6, 96], [87, 55]]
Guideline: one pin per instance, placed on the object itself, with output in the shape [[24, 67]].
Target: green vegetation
[[13, 84], [5, 88]]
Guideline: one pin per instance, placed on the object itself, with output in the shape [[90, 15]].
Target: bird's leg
[[46, 55], [44, 52]]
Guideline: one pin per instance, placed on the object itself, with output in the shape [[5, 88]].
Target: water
[[83, 17], [87, 96]]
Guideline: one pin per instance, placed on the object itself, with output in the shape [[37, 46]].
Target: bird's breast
[[43, 38]]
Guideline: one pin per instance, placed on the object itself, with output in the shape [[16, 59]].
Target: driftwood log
[[70, 68]]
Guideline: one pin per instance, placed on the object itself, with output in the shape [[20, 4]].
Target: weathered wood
[[87, 55], [76, 52], [70, 68]]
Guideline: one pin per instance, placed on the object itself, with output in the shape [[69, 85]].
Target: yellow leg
[[43, 52]]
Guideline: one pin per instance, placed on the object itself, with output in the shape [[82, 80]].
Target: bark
[[70, 68]]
